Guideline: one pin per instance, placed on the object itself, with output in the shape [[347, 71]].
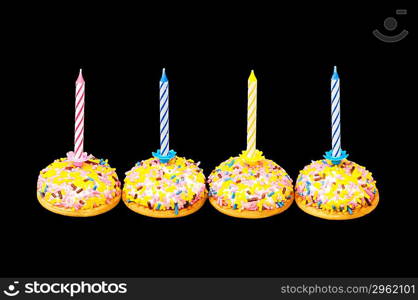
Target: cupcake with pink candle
[[79, 185]]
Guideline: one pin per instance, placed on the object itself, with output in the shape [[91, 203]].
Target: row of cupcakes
[[238, 187], [246, 186]]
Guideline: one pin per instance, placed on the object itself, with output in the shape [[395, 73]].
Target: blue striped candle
[[164, 132], [335, 114], [336, 154]]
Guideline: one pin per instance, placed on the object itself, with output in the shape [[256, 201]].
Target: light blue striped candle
[[164, 132], [335, 114]]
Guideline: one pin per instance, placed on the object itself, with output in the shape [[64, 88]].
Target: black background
[[208, 52]]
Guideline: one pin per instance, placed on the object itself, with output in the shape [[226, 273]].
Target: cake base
[[336, 215], [140, 209], [81, 212], [250, 214]]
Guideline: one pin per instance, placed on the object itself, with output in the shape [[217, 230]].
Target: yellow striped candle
[[252, 114]]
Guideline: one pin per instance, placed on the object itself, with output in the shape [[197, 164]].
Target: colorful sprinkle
[[174, 185], [250, 185], [340, 186], [71, 188]]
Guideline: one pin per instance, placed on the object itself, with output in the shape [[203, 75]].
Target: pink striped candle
[[79, 117]]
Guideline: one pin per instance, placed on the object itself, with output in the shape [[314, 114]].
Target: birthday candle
[[252, 114], [335, 114], [79, 116], [164, 139]]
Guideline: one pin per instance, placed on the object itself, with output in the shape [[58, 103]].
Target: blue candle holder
[[164, 159], [335, 160]]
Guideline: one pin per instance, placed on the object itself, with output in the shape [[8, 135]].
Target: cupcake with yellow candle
[[249, 185]]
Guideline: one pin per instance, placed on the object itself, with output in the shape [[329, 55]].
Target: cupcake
[[165, 186], [79, 189], [244, 188], [336, 192], [335, 188], [78, 185], [165, 190], [249, 185]]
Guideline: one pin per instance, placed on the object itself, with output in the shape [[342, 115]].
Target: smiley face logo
[[11, 289], [391, 24]]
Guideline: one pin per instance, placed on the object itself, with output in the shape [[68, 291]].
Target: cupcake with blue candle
[[335, 188], [249, 185], [165, 186]]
